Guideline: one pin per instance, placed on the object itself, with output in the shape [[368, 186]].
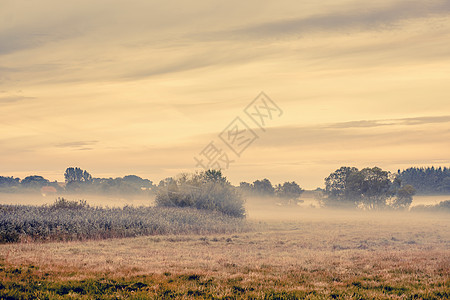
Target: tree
[[77, 175], [34, 181], [370, 188], [9, 181], [138, 182], [428, 180], [404, 197], [263, 187], [375, 187], [245, 187], [290, 191], [77, 179], [341, 186], [214, 176]]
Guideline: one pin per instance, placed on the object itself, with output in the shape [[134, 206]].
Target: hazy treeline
[[369, 188], [28, 184], [288, 191], [78, 181], [429, 180]]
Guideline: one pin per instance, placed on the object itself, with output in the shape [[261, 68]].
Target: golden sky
[[141, 87]]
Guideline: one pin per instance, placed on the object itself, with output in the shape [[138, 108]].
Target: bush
[[207, 190], [62, 203]]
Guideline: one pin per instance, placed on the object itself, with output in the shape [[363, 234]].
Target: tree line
[[428, 180], [368, 188], [78, 180]]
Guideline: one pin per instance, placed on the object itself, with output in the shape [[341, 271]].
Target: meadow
[[67, 220], [283, 253]]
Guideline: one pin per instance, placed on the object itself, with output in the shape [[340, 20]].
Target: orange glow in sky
[[141, 87]]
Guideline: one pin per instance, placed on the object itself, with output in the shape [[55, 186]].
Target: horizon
[[235, 183]]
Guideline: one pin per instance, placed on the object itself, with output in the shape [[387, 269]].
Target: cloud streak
[[390, 122], [364, 133], [353, 19], [13, 99], [78, 145]]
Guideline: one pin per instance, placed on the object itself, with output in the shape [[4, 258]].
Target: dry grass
[[309, 255]]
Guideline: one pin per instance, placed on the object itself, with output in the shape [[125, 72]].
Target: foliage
[[9, 181], [77, 180], [77, 175], [288, 191], [263, 187], [404, 197], [429, 180], [370, 188], [9, 184], [75, 220], [208, 190], [62, 203], [34, 181], [121, 186], [138, 181]]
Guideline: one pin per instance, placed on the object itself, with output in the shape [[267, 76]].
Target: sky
[[145, 87]]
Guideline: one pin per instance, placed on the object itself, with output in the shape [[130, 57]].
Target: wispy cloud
[[390, 122], [364, 133], [78, 145], [360, 18], [424, 120], [12, 99]]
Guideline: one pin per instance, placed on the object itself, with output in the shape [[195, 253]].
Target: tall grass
[[70, 220]]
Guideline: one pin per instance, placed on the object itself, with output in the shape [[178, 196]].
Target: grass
[[68, 220], [308, 255]]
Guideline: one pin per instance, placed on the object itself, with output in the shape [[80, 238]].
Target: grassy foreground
[[70, 220], [315, 257]]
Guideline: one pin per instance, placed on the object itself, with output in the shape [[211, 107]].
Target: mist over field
[[251, 204]]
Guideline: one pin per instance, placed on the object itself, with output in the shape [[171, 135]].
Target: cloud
[[77, 145], [425, 120], [363, 18], [390, 122], [359, 124], [364, 133], [12, 99]]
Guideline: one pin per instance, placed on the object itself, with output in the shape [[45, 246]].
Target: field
[[71, 220], [287, 253]]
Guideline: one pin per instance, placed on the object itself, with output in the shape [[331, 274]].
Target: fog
[[267, 209], [92, 199], [257, 208]]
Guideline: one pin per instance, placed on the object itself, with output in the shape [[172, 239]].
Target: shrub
[[62, 203], [206, 190]]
